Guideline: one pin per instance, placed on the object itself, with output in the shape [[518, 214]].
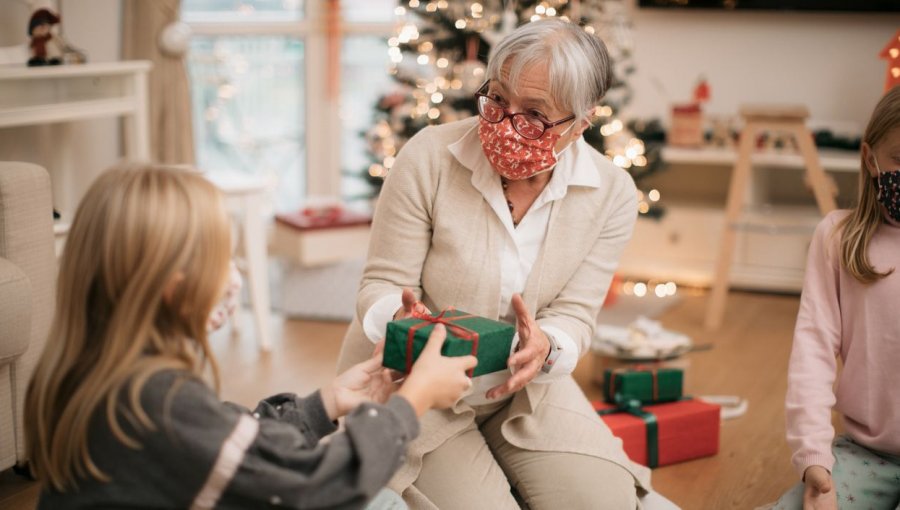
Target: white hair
[[579, 66]]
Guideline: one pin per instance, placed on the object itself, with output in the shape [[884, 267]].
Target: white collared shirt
[[520, 249]]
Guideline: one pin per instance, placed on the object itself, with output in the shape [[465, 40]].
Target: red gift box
[[315, 218], [687, 429]]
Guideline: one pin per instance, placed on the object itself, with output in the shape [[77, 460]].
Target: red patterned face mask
[[512, 155]]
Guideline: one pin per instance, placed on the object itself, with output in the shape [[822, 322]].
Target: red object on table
[[688, 429], [315, 218]]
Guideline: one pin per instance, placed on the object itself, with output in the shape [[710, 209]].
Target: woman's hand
[[527, 361], [364, 382], [410, 305], [436, 381], [819, 493]]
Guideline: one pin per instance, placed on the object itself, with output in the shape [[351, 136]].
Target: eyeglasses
[[528, 125]]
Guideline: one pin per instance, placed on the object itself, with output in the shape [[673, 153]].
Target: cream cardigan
[[435, 233]]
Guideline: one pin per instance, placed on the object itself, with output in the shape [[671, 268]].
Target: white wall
[[93, 26], [827, 61]]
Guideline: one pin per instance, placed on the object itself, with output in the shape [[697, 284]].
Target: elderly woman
[[498, 215]]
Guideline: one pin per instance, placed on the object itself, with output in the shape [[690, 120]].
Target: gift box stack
[[658, 425], [488, 340]]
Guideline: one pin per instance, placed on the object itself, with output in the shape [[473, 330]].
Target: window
[[260, 84]]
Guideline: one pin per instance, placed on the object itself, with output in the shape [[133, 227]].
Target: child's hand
[[437, 381], [819, 493], [364, 382]]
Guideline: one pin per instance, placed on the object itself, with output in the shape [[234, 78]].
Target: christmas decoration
[[438, 59], [891, 53], [45, 48], [48, 46]]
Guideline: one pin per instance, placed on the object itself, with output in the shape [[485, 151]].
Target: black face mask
[[888, 186]]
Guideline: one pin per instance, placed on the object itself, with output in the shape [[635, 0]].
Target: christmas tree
[[438, 59]]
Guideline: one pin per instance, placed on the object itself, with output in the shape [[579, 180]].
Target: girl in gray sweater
[[118, 413]]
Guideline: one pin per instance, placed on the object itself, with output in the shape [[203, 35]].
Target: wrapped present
[[663, 434], [488, 340], [648, 385]]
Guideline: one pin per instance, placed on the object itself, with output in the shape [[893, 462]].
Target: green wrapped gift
[[649, 385], [489, 341]]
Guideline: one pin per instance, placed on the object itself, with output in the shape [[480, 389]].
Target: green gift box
[[648, 385], [489, 341]]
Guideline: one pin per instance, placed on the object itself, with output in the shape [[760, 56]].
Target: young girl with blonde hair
[[118, 413], [849, 309]]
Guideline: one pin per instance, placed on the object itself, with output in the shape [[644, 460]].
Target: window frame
[[323, 156]]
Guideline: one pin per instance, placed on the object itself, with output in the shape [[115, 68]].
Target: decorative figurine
[[46, 49], [49, 47]]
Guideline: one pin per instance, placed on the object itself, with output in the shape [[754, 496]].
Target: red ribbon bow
[[458, 331]]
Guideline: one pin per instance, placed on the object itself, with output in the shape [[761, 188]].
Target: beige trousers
[[477, 468]]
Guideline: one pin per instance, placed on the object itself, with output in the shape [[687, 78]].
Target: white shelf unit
[[60, 95], [774, 234]]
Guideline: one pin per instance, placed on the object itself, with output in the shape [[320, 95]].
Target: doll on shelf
[[46, 49], [49, 47]]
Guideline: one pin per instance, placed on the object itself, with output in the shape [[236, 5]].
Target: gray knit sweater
[[209, 454]]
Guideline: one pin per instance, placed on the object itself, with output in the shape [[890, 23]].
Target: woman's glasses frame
[[523, 123]]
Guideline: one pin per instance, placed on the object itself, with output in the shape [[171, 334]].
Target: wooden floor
[[749, 359]]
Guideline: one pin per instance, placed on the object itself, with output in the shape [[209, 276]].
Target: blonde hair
[[145, 261], [860, 225]]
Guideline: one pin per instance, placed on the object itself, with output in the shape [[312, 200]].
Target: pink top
[[839, 316]]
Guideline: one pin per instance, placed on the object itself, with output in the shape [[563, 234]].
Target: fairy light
[[653, 195], [589, 29], [640, 289], [442, 63], [660, 290], [434, 113], [431, 88], [643, 208], [540, 9], [460, 24], [389, 162], [413, 3], [535, 17], [393, 42], [437, 97], [671, 288], [551, 11], [376, 170], [422, 60], [443, 4], [399, 11], [426, 46], [431, 7]]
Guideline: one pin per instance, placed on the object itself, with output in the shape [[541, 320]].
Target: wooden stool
[[759, 119]]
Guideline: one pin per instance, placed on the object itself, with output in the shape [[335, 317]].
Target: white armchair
[[27, 292]]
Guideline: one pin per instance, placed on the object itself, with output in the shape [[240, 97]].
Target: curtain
[[171, 133]]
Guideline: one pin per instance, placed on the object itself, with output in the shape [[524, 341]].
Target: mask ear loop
[[877, 178], [564, 149]]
